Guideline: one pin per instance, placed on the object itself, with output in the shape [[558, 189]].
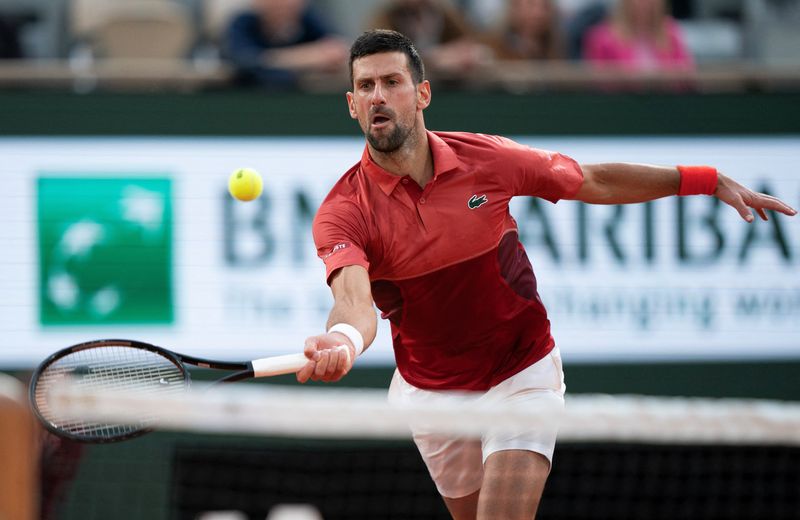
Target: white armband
[[352, 334]]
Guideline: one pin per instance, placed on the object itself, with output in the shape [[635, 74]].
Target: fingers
[[322, 364], [333, 364], [762, 202], [742, 199], [310, 350], [326, 362], [739, 205], [344, 360], [305, 373]]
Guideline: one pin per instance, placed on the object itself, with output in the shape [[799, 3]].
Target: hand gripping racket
[[129, 366]]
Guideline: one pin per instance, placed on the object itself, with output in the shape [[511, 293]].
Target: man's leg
[[513, 482], [516, 465], [464, 508], [455, 465]]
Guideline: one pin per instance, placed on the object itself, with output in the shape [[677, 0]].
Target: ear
[[423, 95], [351, 105]]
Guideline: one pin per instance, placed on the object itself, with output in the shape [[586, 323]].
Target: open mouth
[[379, 120]]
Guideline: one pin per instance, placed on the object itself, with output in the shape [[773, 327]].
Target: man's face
[[385, 99]]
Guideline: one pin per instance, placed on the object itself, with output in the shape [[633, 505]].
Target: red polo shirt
[[445, 262]]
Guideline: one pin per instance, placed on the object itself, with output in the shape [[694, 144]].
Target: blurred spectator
[[639, 36], [531, 31], [279, 39], [578, 24], [444, 38], [484, 15], [773, 31], [10, 47]]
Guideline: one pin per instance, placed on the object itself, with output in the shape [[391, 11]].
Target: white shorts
[[455, 464]]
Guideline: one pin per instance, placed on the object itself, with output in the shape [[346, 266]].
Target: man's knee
[[513, 483]]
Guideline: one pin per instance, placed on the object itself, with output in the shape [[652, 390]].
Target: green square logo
[[105, 251]]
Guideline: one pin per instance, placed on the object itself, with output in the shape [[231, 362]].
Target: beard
[[391, 142]]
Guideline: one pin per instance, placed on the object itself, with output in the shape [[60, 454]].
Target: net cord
[[274, 410]]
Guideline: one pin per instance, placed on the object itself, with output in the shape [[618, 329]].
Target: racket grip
[[278, 365]]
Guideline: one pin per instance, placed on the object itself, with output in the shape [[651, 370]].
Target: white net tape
[[361, 413]]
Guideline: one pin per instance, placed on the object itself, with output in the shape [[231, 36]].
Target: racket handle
[[278, 365]]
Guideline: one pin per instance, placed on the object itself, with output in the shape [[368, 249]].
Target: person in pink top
[[638, 36]]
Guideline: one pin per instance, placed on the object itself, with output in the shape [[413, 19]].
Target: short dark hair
[[384, 40]]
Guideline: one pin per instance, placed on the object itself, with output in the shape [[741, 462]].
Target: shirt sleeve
[[340, 235], [540, 173]]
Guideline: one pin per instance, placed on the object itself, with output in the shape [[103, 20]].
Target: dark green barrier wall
[[252, 113]]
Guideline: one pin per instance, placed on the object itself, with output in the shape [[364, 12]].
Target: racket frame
[[243, 370]]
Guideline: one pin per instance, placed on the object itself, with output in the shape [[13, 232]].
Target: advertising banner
[[138, 238]]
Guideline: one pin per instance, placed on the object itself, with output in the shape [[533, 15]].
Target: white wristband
[[352, 334]]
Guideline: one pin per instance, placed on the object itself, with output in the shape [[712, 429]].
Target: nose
[[377, 96]]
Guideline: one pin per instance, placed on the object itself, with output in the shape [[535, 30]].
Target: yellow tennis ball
[[245, 184]]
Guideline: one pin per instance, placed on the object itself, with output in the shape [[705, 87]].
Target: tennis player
[[421, 227]]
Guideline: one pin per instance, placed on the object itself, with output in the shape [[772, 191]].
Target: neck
[[413, 158]]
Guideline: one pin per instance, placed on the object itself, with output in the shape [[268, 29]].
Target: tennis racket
[[129, 366]]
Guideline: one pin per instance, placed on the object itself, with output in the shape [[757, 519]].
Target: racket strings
[[103, 369]]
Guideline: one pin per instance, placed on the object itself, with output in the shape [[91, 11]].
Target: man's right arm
[[352, 294]]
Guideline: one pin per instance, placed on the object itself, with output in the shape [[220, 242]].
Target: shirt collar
[[444, 160]]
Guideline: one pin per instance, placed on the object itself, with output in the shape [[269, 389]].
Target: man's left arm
[[626, 183]]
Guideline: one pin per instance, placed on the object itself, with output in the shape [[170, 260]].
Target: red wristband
[[697, 180]]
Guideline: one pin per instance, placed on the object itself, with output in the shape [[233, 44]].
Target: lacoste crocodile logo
[[475, 201]]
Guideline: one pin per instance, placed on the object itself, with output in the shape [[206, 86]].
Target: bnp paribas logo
[[105, 251]]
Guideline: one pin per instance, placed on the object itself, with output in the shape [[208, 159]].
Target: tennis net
[[347, 453]]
